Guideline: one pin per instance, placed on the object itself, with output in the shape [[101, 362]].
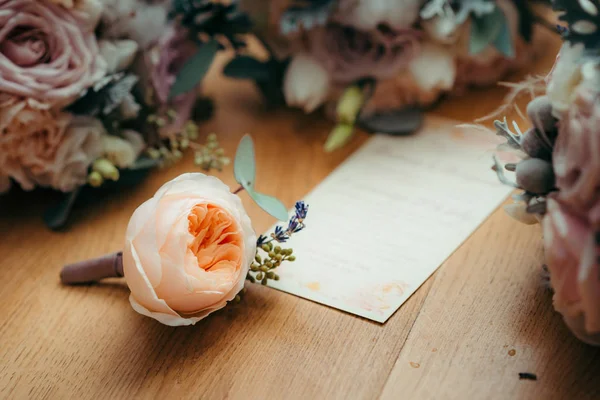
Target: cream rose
[[187, 250]]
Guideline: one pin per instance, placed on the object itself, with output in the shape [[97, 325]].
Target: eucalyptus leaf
[[244, 167], [504, 42], [144, 163], [270, 204], [485, 29], [56, 216], [195, 69], [246, 67]]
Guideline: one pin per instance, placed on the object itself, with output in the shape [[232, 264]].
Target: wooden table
[[466, 334]]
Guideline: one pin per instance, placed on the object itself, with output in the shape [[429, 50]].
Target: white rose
[[187, 250], [306, 84]]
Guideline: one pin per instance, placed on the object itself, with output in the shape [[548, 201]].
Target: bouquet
[[560, 169], [377, 63], [96, 92]]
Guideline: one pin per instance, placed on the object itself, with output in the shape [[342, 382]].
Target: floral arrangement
[[96, 92], [191, 247], [377, 63], [560, 169]]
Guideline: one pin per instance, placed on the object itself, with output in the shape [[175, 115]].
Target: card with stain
[[390, 215]]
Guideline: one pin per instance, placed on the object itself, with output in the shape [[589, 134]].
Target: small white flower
[[565, 78], [306, 83], [368, 14], [119, 54], [121, 152], [433, 68]]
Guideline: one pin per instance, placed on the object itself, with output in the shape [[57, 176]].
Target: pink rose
[[45, 52], [42, 148], [572, 255], [350, 54], [188, 250]]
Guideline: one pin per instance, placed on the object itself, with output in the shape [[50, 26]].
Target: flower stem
[[89, 271]]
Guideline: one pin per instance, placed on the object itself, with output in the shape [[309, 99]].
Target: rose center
[[217, 242], [26, 47]]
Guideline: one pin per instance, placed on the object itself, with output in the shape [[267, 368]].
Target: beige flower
[[42, 148], [122, 152]]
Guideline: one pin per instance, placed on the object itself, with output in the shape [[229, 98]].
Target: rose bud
[[535, 145], [535, 175], [188, 250], [539, 111]]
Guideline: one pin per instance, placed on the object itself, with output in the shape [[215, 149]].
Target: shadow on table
[[190, 352]]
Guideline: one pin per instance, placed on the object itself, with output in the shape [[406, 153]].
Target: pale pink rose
[[576, 155], [187, 250], [571, 245], [42, 148], [45, 52], [350, 54]]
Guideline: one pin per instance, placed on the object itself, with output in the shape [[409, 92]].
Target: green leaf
[[246, 67], [340, 135], [270, 204], [504, 42], [56, 216], [195, 69], [485, 30], [144, 163], [244, 167]]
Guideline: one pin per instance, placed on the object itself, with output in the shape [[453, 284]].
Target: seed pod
[[535, 146], [535, 176], [539, 111]]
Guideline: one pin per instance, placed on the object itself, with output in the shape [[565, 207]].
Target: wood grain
[[86, 342]]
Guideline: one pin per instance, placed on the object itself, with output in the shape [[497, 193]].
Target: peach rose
[[187, 250], [41, 148]]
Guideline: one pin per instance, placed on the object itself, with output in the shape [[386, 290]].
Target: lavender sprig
[[295, 225], [263, 267]]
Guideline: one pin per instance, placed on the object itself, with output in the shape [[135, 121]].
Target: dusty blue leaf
[[246, 67], [504, 42], [485, 30], [270, 204], [244, 167], [195, 68], [56, 216]]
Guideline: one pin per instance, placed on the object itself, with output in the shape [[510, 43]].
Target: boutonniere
[[190, 248]]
